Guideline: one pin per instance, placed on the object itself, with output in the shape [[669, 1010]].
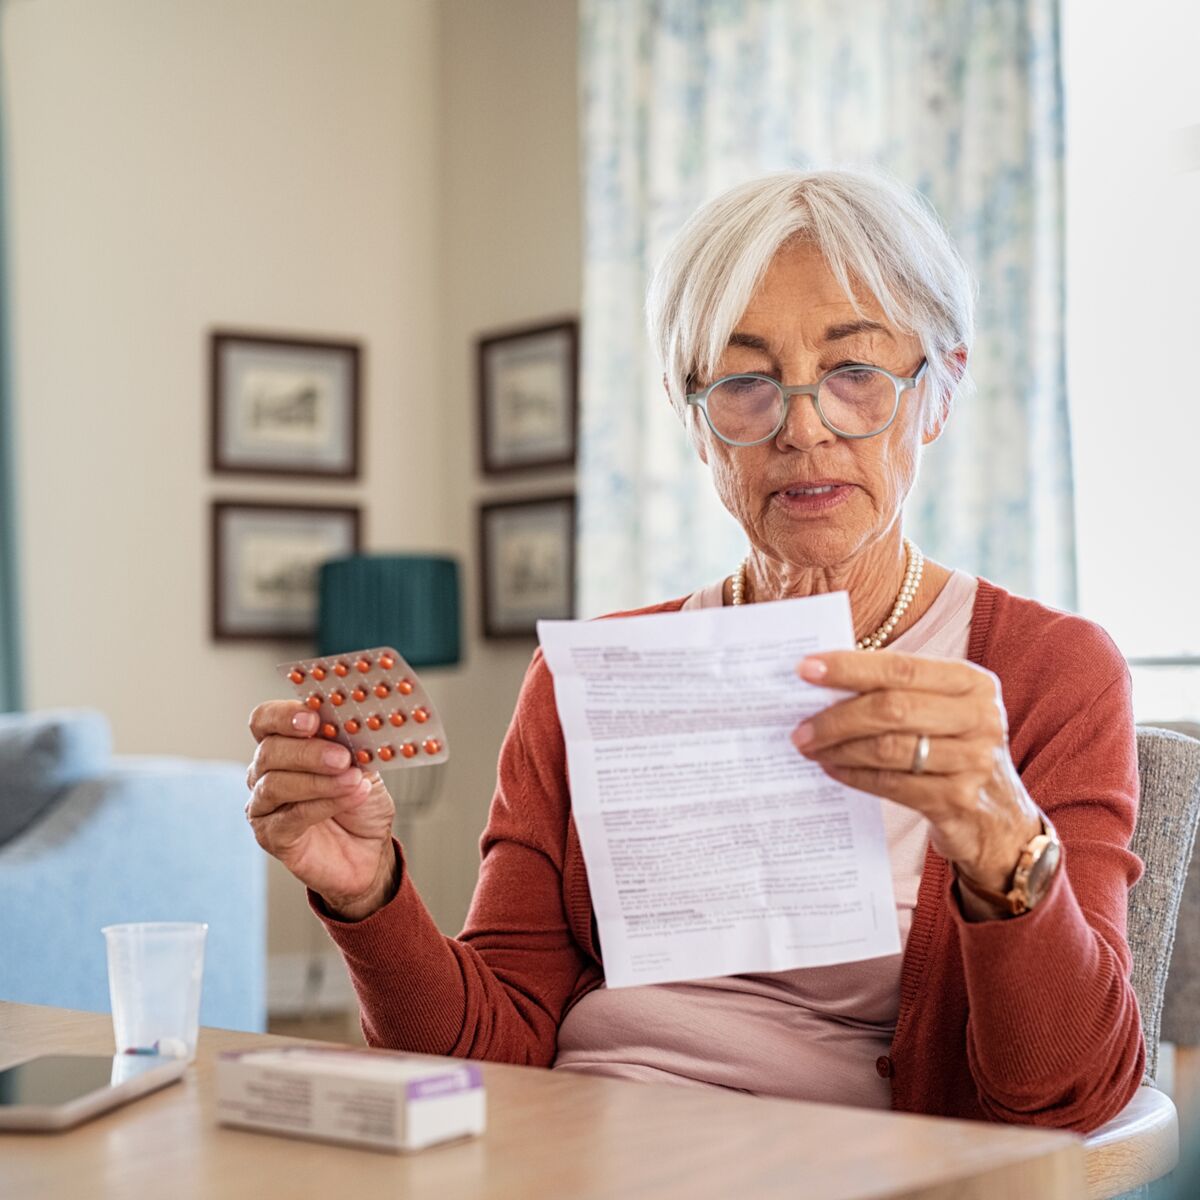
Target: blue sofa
[[88, 839]]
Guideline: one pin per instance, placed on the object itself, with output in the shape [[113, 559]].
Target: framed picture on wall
[[265, 563], [527, 563], [284, 406], [529, 398]]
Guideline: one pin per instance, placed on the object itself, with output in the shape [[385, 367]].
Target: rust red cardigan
[[1029, 1020]]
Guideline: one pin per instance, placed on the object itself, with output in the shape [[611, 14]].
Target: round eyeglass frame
[[902, 384]]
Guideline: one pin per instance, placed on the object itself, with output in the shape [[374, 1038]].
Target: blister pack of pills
[[372, 702]]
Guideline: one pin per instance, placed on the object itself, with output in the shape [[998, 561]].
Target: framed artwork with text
[[265, 563], [284, 406], [529, 398], [527, 563]]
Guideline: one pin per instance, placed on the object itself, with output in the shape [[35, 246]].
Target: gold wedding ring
[[921, 756]]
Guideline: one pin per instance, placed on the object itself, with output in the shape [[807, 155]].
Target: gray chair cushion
[[42, 755], [1181, 1006], [1169, 773]]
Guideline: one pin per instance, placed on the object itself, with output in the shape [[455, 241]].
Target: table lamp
[[407, 601]]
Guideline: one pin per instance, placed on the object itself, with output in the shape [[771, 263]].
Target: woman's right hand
[[323, 818]]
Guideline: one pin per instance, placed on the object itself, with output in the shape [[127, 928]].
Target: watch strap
[[1017, 899], [1009, 901]]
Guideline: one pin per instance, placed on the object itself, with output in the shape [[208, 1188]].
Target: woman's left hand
[[969, 789]]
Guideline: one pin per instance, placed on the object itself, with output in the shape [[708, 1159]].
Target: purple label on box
[[465, 1079]]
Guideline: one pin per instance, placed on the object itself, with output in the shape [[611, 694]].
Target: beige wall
[[403, 172], [511, 251]]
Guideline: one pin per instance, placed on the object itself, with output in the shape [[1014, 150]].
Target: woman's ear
[[956, 362], [690, 423]]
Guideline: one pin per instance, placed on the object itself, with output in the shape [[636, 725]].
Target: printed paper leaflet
[[712, 846]]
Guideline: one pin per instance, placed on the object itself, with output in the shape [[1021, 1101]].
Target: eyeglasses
[[854, 401]]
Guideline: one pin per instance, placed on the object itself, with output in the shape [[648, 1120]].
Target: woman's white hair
[[874, 233]]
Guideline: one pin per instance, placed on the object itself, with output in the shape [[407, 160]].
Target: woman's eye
[[853, 372], [745, 383]]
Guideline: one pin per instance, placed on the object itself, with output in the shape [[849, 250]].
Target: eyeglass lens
[[856, 401]]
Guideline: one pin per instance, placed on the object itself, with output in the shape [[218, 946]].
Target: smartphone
[[57, 1091]]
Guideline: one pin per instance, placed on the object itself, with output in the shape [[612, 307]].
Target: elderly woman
[[814, 328]]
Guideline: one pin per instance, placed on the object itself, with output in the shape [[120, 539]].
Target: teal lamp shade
[[407, 601]]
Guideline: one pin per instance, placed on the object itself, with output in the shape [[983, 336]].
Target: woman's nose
[[802, 427]]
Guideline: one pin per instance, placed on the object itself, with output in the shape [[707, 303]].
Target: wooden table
[[550, 1134]]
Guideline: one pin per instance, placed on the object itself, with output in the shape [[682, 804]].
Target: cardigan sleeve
[[1054, 1035], [498, 991]]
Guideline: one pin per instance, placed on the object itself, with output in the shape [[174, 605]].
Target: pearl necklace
[[908, 589]]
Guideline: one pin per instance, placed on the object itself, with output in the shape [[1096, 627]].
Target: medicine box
[[385, 1101]]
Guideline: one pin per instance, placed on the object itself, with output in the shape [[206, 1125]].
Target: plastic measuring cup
[[154, 974]]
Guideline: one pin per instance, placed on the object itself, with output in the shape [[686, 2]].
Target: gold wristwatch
[[1031, 880]]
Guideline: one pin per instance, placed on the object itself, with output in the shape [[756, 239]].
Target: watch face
[[1041, 871]]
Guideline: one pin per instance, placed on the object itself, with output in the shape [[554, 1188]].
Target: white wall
[[398, 171], [1133, 255]]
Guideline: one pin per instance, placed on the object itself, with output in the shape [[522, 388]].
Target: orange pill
[[381, 690], [314, 701], [341, 670], [420, 715], [386, 753], [432, 745], [329, 731], [338, 699], [364, 665], [353, 725], [405, 687], [409, 749], [387, 662], [363, 756], [374, 722], [319, 673], [360, 694], [296, 676], [397, 718]]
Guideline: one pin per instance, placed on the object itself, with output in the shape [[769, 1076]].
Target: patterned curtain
[[10, 666], [959, 98]]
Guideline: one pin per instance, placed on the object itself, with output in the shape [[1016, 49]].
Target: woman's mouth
[[813, 497]]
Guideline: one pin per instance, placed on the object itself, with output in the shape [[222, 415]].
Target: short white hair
[[873, 232]]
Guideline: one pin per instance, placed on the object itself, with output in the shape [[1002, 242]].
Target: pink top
[[811, 1034]]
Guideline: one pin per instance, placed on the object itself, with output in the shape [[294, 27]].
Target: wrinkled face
[[798, 326]]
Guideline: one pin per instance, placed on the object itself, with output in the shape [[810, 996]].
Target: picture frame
[[265, 559], [284, 405], [528, 383], [527, 564]]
